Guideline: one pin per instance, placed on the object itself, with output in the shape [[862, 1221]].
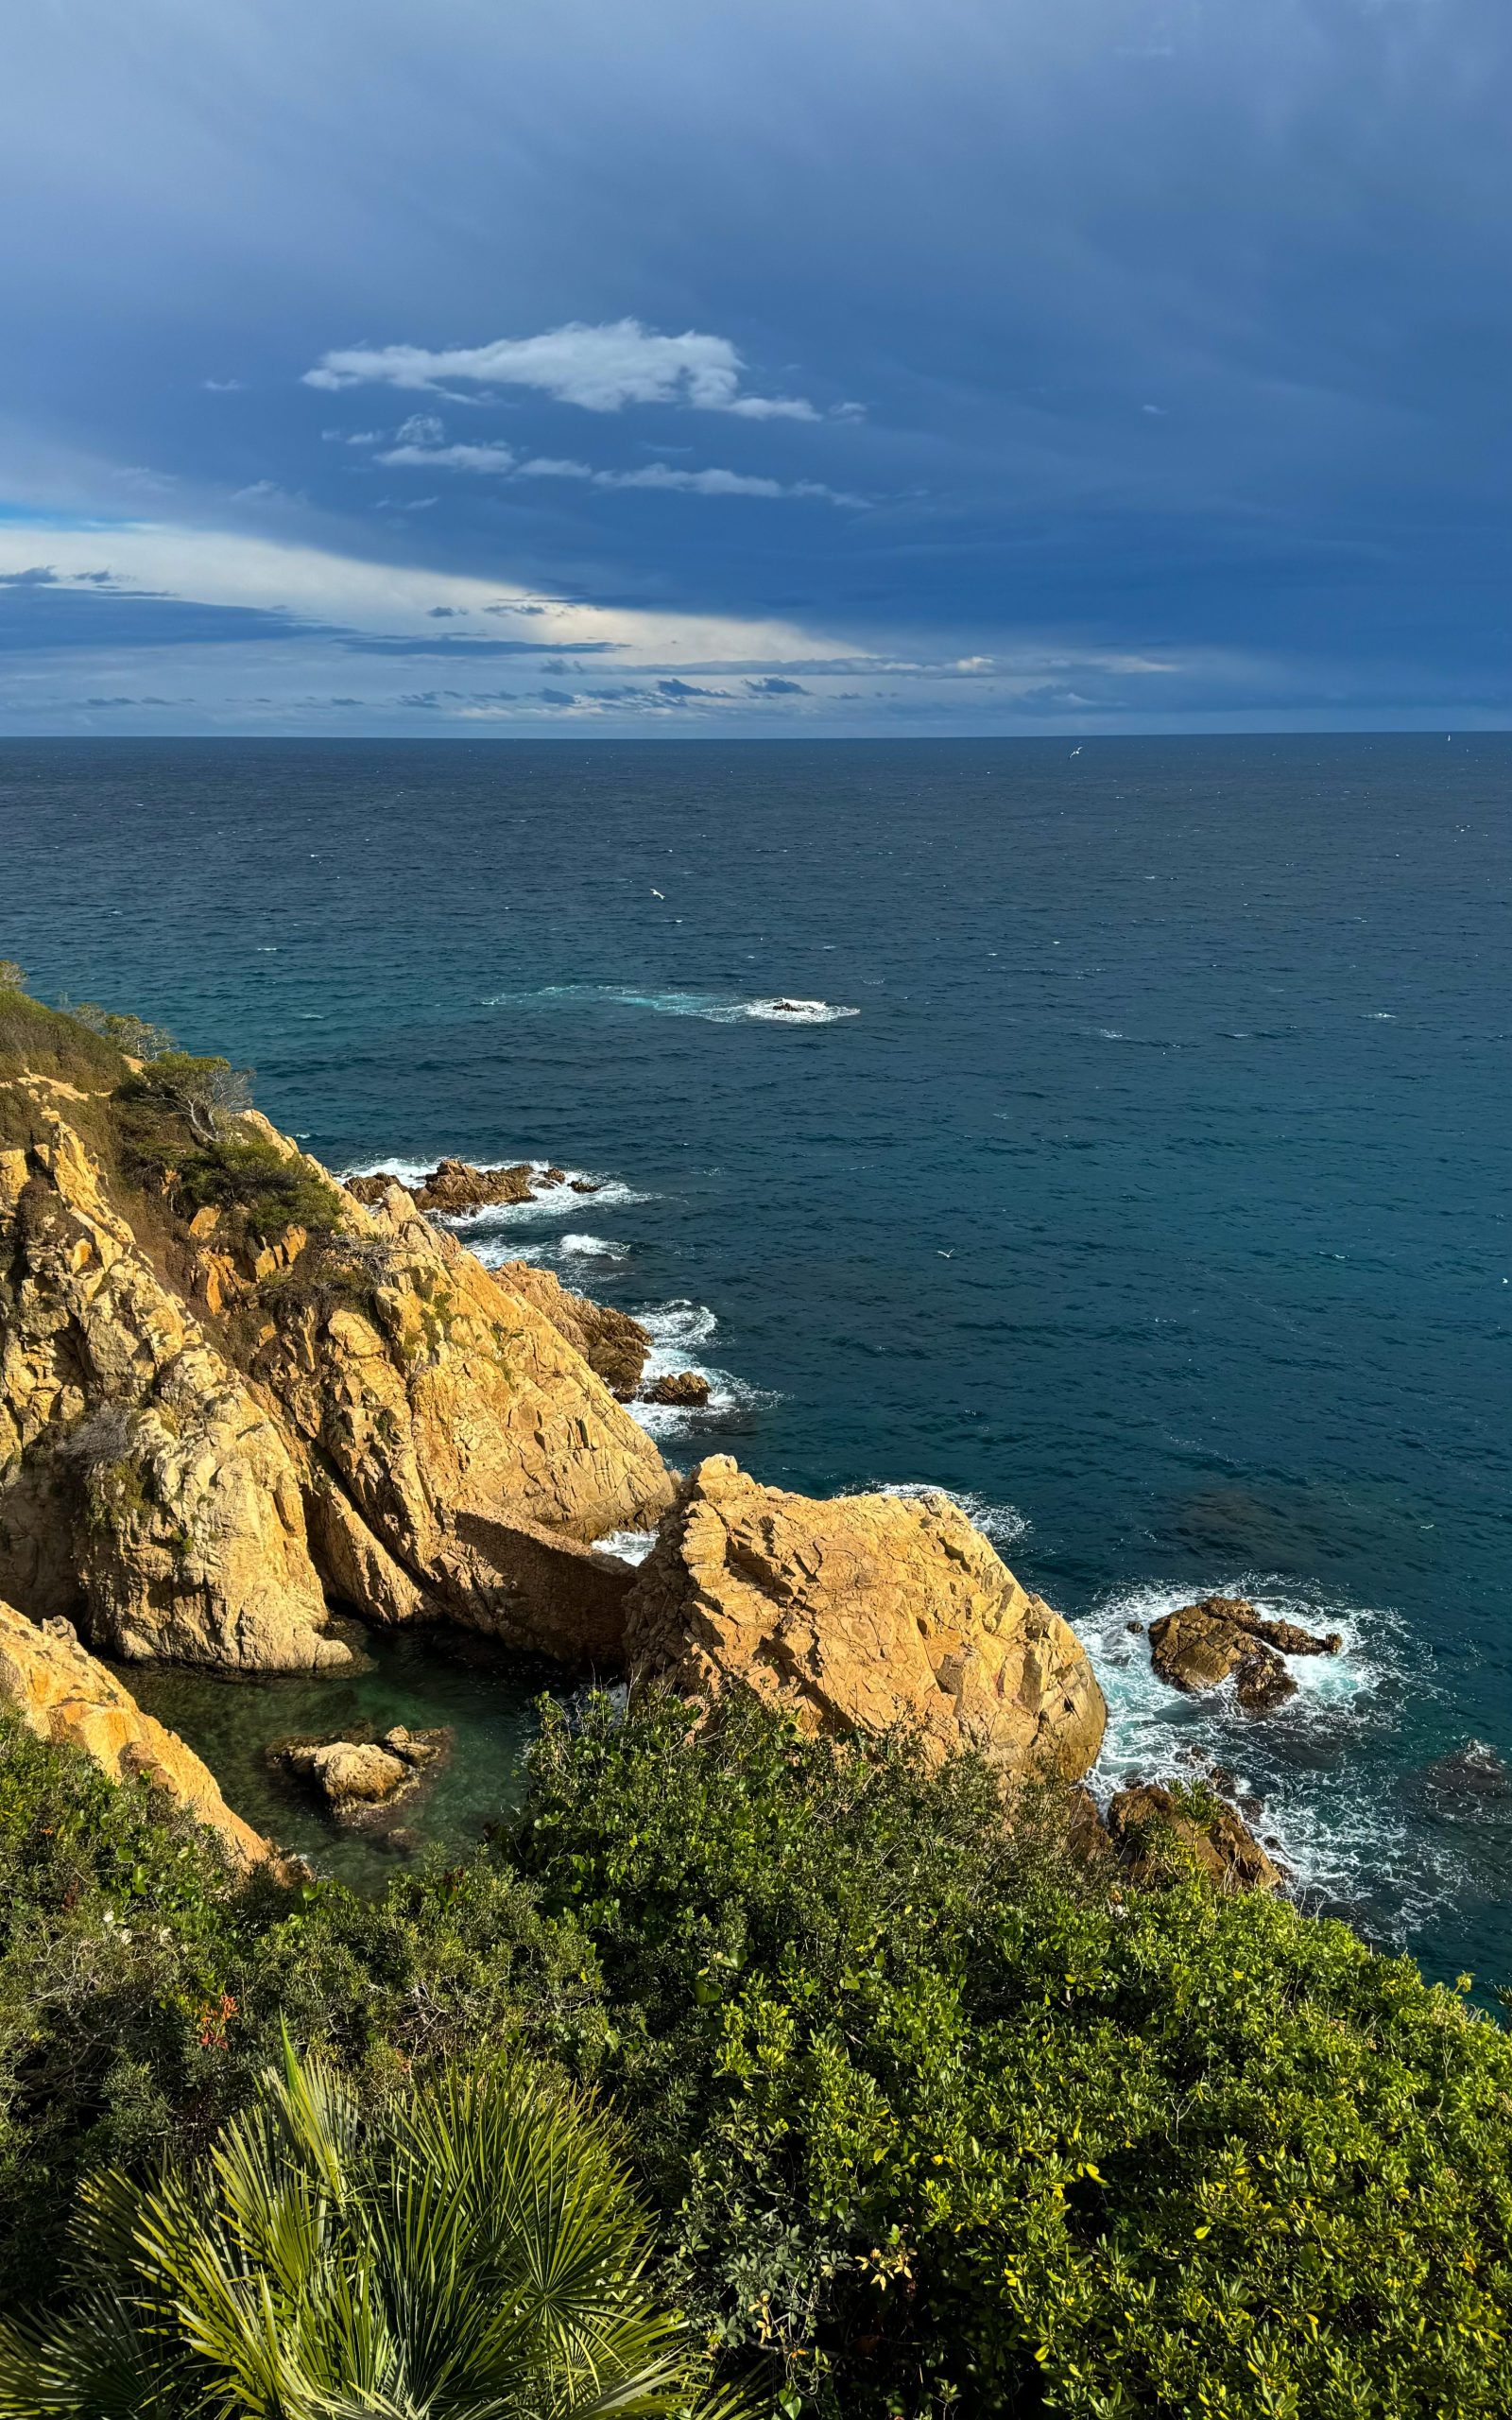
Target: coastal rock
[[1155, 1830], [144, 1487], [861, 1612], [216, 1415], [609, 1342], [61, 1693], [446, 1416], [356, 1778], [689, 1388], [455, 1187], [1199, 1647], [368, 1188]]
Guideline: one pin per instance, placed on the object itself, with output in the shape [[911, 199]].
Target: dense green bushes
[[927, 2113]]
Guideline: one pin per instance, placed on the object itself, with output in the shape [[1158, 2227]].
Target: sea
[[1136, 1167]]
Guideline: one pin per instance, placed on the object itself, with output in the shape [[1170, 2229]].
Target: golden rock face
[[61, 1694], [204, 1436], [864, 1612]]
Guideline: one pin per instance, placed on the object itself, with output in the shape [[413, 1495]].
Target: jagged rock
[[144, 1487], [455, 1187], [686, 1387], [362, 1188], [1198, 1647], [586, 1184], [609, 1342], [1154, 1830], [865, 1612], [61, 1693], [447, 1418], [356, 1778], [206, 1427]]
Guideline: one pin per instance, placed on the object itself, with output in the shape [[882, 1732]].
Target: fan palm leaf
[[468, 2250]]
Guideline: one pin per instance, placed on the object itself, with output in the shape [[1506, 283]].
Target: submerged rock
[[687, 1386], [357, 1778], [1199, 1647], [609, 1342], [862, 1612], [1156, 1829], [61, 1693]]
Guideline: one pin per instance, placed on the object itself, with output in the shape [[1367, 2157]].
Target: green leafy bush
[[926, 2113], [930, 2118]]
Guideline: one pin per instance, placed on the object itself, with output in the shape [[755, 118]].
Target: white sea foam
[[1326, 1804], [1002, 1523], [778, 1009], [593, 1248], [631, 1545], [676, 1329], [552, 1201]]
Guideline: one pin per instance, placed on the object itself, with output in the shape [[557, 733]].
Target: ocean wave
[[778, 1009], [593, 1248], [631, 1545], [1308, 1776], [1002, 1523], [676, 1329], [555, 1201]]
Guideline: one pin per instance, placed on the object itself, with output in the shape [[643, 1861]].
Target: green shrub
[[925, 2112], [929, 2116]]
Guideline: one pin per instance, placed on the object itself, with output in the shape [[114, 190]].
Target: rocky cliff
[[865, 1612], [232, 1395], [61, 1694]]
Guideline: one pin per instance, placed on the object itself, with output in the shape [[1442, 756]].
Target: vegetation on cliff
[[926, 2112]]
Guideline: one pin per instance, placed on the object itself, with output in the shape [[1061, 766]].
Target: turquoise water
[[1153, 1198]]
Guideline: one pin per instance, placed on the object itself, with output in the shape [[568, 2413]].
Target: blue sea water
[[1140, 1172]]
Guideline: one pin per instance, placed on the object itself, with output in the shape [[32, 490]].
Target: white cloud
[[223, 385], [501, 461], [601, 369]]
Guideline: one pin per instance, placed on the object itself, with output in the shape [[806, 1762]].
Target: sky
[[791, 367]]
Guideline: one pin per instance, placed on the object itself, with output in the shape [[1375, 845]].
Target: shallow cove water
[[1153, 1198]]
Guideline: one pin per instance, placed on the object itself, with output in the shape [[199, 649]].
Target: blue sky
[[549, 366]]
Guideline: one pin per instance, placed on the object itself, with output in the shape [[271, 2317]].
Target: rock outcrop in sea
[[862, 1612], [1199, 1647]]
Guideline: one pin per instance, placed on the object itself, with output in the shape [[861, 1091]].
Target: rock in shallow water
[[862, 1612], [357, 1778], [1199, 1647], [688, 1388]]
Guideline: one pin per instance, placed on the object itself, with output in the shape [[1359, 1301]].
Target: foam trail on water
[[778, 1009]]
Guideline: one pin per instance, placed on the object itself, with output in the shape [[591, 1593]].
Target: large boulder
[[62, 1694], [609, 1342], [460, 1449], [146, 1490], [1199, 1647], [356, 1779], [454, 1187], [861, 1612], [1158, 1831]]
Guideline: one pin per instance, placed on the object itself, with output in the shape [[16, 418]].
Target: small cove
[[486, 1697]]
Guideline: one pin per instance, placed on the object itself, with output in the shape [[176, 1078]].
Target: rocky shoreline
[[246, 1409]]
